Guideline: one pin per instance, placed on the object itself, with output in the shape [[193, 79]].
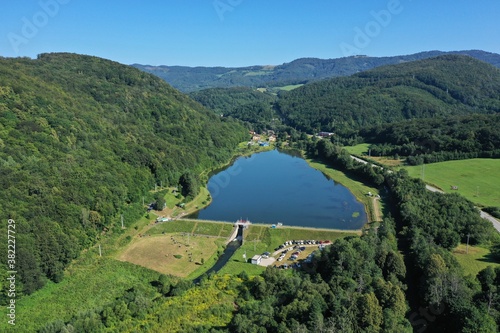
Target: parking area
[[267, 261]]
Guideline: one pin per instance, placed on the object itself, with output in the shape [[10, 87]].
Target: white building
[[256, 259]]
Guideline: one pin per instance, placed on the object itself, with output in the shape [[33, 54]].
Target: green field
[[89, 284], [476, 260], [219, 229], [172, 227], [290, 87], [477, 179], [361, 149]]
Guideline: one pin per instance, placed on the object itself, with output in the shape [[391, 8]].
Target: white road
[[433, 189], [484, 215], [493, 220]]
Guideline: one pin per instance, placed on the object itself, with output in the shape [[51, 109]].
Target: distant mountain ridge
[[444, 86], [189, 79]]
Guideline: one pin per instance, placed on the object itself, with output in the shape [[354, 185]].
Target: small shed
[[256, 259]]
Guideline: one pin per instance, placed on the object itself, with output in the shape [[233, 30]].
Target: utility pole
[[121, 217], [100, 252], [467, 247]]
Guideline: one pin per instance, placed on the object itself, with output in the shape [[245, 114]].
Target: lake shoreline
[[320, 216], [360, 192]]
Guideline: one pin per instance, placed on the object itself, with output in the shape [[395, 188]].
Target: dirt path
[[376, 209]]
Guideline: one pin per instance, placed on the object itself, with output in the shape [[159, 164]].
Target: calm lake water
[[274, 187]]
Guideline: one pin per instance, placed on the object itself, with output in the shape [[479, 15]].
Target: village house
[[325, 134]]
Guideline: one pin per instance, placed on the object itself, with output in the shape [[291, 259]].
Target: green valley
[[102, 164]]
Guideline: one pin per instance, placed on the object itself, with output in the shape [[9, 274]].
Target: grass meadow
[[477, 179], [89, 284], [475, 260], [362, 150]]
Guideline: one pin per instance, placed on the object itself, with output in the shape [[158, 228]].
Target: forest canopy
[[444, 86], [83, 139]]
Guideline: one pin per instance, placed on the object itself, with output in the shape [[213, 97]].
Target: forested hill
[[82, 140], [302, 70], [240, 102], [438, 87]]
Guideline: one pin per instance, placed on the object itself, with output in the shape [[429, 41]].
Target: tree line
[[436, 140]]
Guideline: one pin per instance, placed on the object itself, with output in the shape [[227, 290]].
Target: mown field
[[182, 248], [475, 260], [477, 179]]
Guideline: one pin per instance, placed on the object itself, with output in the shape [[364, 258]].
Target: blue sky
[[244, 32]]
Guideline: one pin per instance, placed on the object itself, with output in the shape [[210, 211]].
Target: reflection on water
[[273, 187]]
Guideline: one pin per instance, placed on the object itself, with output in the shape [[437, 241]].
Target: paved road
[[484, 215], [433, 189], [359, 160], [490, 218]]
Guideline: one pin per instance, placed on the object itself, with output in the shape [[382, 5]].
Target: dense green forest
[[399, 276], [304, 70], [83, 140], [436, 140], [430, 225], [242, 103], [439, 87]]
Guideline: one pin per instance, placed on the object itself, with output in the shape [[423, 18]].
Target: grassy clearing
[[257, 73], [290, 87], [173, 254], [357, 188], [226, 230], [159, 246], [476, 260], [362, 150], [87, 285], [214, 229], [477, 179], [176, 226], [194, 227]]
